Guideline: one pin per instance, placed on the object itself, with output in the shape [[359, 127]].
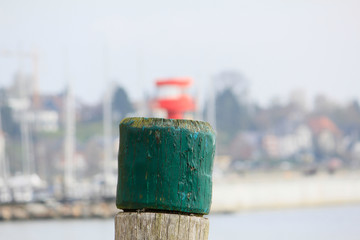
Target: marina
[[57, 210], [234, 194]]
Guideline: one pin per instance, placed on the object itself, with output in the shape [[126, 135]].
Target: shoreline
[[285, 190], [75, 210], [233, 194]]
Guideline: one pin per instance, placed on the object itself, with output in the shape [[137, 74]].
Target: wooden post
[[164, 179]]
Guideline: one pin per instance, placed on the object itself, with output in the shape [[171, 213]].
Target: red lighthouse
[[174, 98]]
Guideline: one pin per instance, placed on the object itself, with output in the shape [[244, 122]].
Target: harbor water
[[330, 223]]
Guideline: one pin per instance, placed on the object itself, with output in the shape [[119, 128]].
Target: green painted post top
[[165, 165]]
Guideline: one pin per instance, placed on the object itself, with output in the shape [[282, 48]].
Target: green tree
[[347, 118], [120, 103], [9, 126], [231, 115]]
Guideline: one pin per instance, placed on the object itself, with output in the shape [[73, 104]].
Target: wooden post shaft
[[160, 226], [164, 179]]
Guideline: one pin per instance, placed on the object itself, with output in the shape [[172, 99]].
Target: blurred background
[[278, 80]]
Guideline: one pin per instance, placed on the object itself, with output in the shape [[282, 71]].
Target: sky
[[277, 45]]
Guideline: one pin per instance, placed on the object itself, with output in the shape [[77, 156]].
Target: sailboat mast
[[69, 137], [23, 96], [4, 171], [27, 157], [107, 133], [211, 107], [3, 164], [107, 121]]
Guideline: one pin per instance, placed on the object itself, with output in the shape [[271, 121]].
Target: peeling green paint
[[165, 164]]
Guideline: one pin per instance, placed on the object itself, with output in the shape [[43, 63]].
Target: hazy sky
[[277, 45]]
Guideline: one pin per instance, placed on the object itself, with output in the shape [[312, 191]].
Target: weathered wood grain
[[160, 226]]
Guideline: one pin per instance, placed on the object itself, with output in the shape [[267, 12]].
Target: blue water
[[328, 223]]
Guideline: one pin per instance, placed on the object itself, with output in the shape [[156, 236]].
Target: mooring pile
[[165, 179]]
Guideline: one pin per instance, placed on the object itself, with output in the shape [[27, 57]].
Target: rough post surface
[[160, 226], [166, 165]]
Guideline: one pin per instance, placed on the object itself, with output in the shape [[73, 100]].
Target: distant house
[[326, 134], [355, 152], [299, 140], [321, 124], [270, 144], [44, 115], [244, 146]]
